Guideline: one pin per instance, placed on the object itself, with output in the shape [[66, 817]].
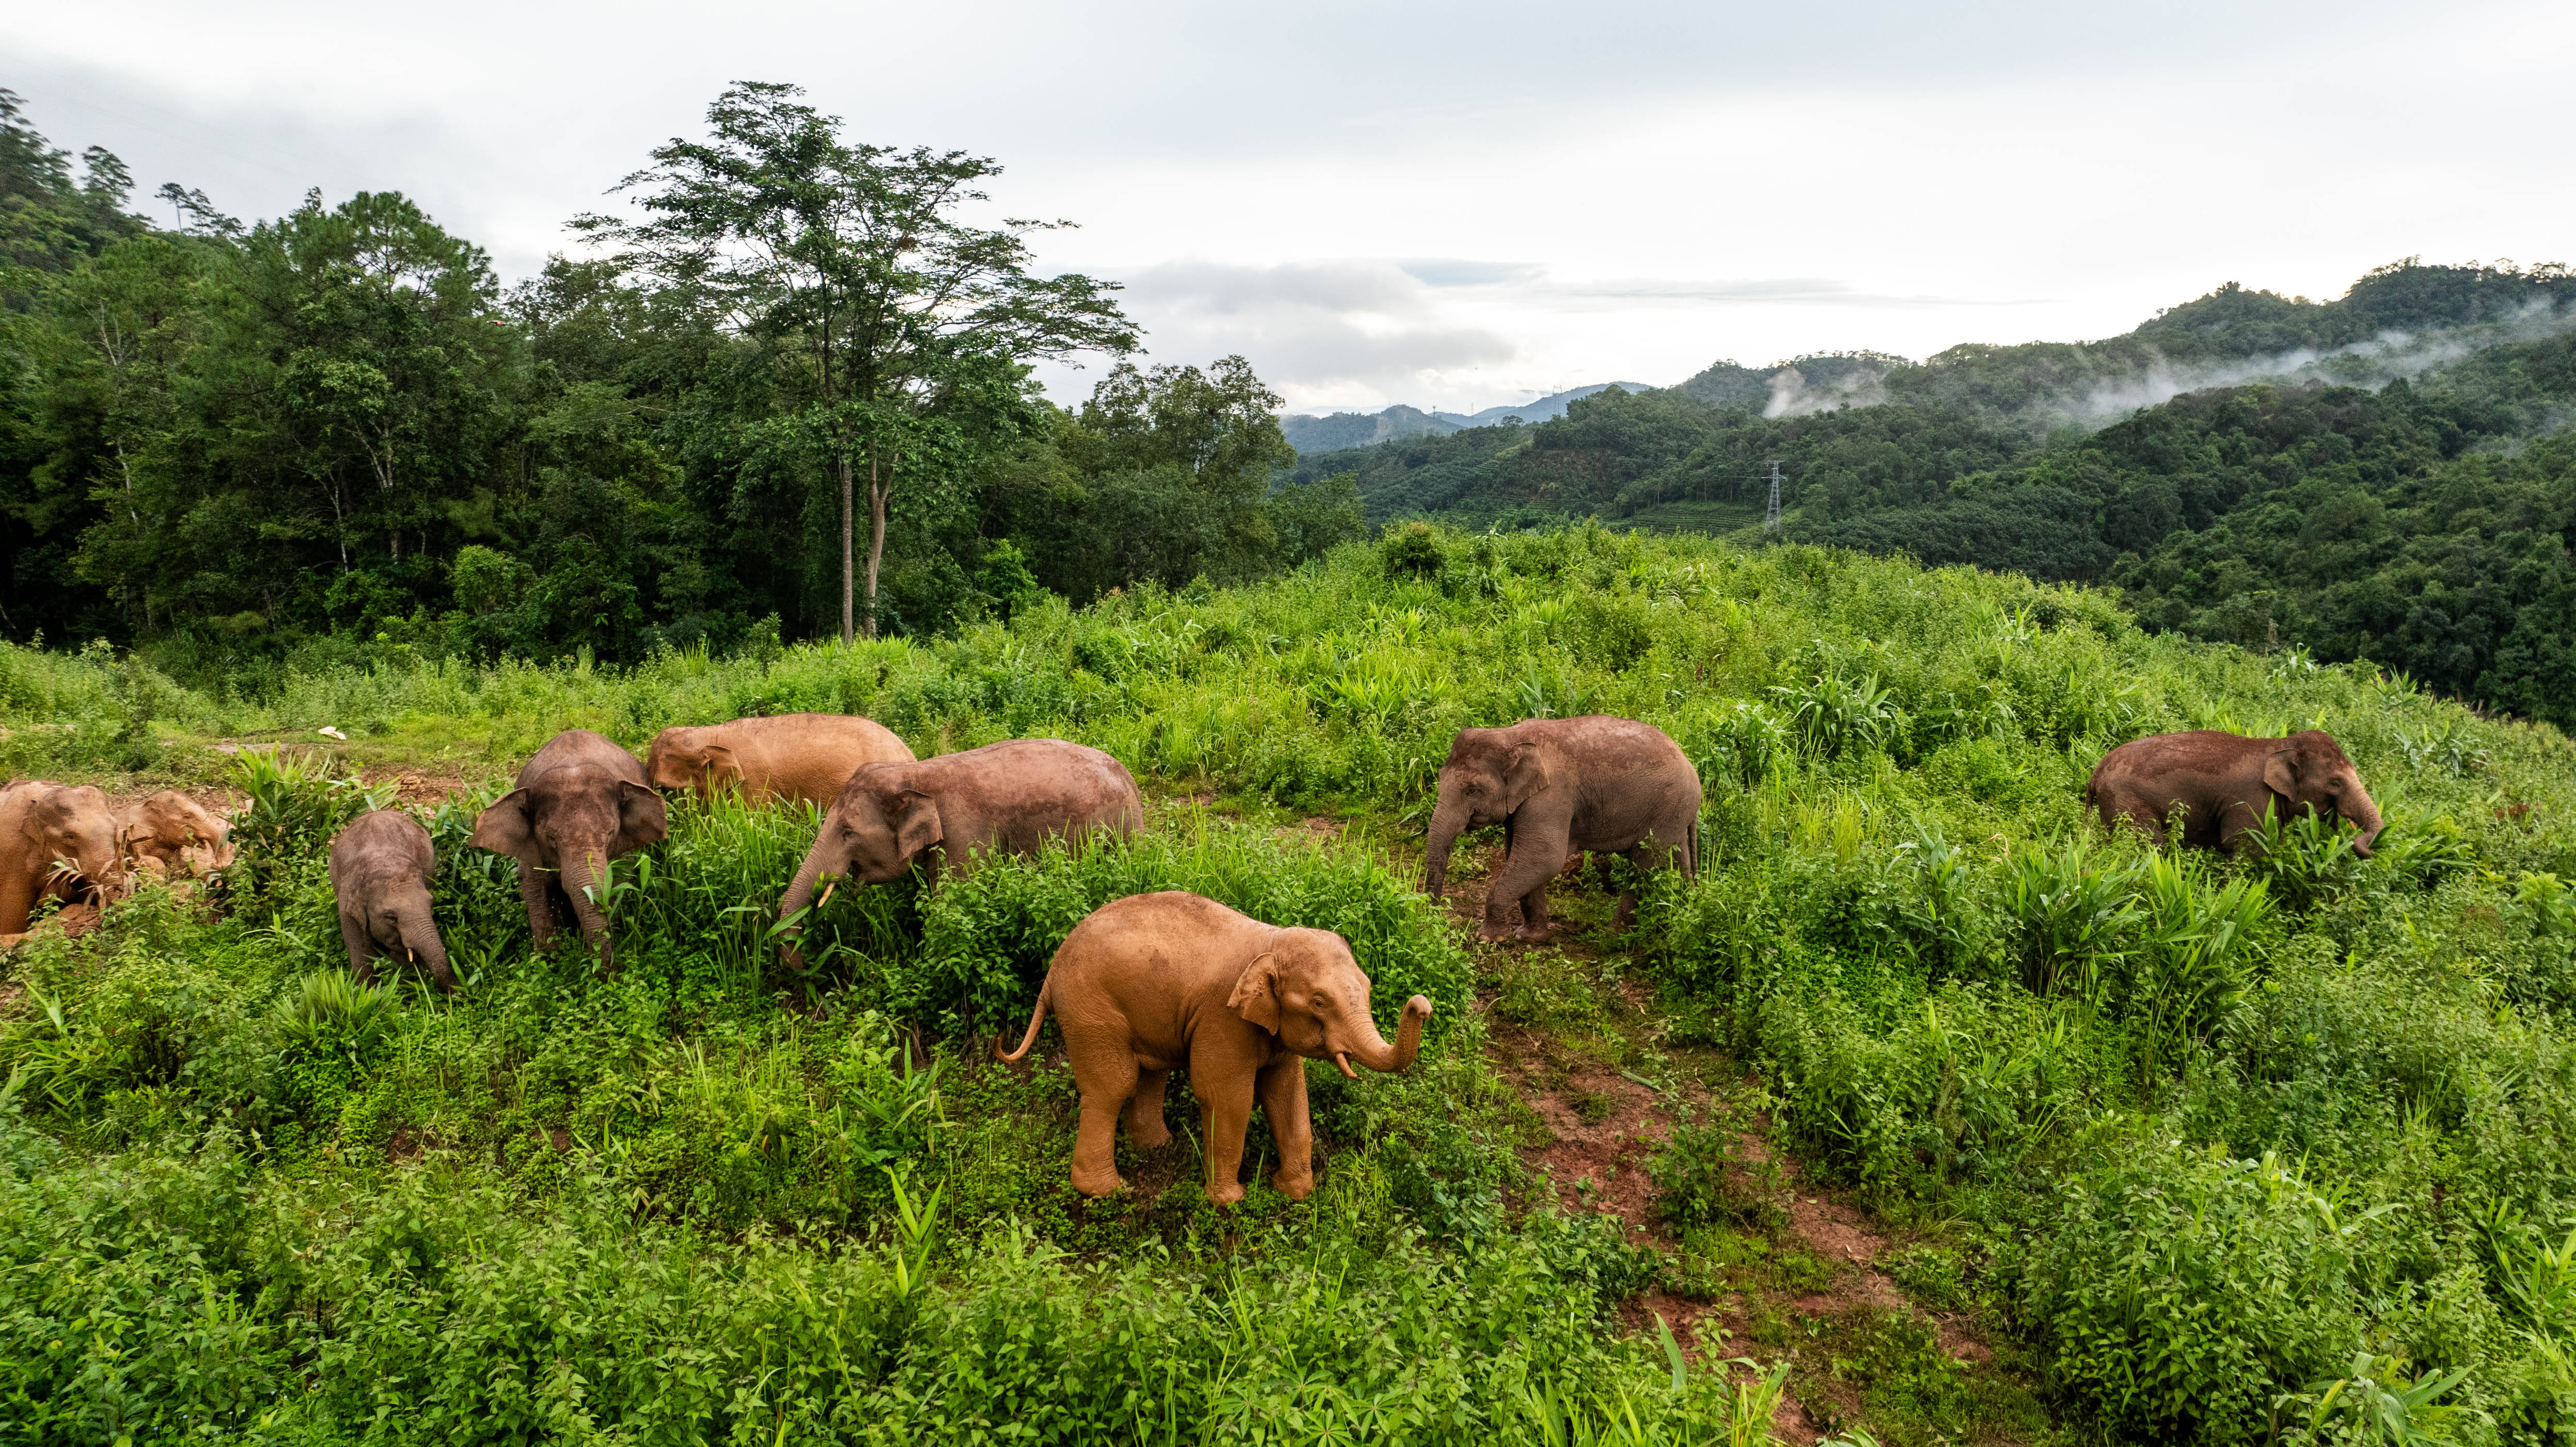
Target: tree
[[853, 258]]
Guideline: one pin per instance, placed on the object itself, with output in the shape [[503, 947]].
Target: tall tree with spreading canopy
[[854, 258]]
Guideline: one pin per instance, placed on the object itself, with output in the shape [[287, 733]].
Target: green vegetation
[[2215, 1148]]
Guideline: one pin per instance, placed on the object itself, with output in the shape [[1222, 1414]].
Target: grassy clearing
[[2191, 1140]]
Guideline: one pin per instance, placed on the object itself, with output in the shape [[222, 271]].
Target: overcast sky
[[1448, 205]]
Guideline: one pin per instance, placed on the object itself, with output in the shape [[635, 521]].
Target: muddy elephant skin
[[1596, 784], [175, 836], [381, 866], [805, 756], [1154, 983], [56, 842], [581, 802], [1008, 797], [2224, 783]]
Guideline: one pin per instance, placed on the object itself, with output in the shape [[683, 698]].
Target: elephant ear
[[503, 828], [720, 766], [1524, 774], [1256, 994], [2281, 773], [642, 817], [917, 824]]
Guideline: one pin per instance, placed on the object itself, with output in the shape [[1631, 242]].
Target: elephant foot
[[1534, 934], [1494, 933], [1098, 1186], [1297, 1187], [1150, 1135], [1225, 1192]]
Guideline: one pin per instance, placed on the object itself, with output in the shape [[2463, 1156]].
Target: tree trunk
[[846, 529], [877, 488]]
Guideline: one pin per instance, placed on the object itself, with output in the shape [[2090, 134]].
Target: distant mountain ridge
[[1340, 430]]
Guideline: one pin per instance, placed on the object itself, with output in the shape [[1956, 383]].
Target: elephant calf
[[1559, 786], [1008, 797], [1158, 982], [175, 836], [2224, 783], [581, 802], [789, 756], [56, 842], [380, 871]]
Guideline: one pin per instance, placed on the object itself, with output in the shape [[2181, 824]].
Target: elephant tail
[[1037, 1017]]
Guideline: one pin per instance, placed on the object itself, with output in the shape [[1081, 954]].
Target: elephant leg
[[361, 947], [1523, 880], [1144, 1115], [538, 895], [2240, 828], [1282, 1088], [1225, 1113], [1643, 855], [1106, 1089], [17, 901]]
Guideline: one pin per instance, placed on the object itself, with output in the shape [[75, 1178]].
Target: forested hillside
[[2400, 499], [335, 434]]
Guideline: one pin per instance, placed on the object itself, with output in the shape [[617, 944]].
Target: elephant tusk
[[827, 895], [1344, 1061]]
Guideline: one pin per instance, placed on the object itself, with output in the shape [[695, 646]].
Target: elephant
[[1009, 796], [1559, 786], [790, 756], [581, 801], [174, 836], [2224, 783], [1157, 982], [380, 871], [56, 842]]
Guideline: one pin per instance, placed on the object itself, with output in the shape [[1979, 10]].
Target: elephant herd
[[1145, 985]]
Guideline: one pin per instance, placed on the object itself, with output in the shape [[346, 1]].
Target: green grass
[[2190, 1133]]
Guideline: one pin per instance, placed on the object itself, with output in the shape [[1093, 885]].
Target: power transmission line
[[1771, 520]]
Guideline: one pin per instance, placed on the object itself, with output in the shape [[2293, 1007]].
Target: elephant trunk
[[580, 879], [1447, 820], [420, 936], [799, 895], [2364, 813], [1376, 1054]]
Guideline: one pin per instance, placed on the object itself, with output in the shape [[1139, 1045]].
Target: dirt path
[[1611, 1094]]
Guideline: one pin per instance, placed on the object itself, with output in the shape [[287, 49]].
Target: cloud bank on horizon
[[1443, 204]]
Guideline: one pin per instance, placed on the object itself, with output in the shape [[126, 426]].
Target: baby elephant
[[380, 871], [790, 756], [1559, 786], [1009, 796], [581, 802], [1158, 982], [175, 836], [2224, 783]]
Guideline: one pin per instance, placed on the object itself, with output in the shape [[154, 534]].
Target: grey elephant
[[581, 801], [1007, 797], [1594, 784], [1170, 981], [2223, 784], [381, 866]]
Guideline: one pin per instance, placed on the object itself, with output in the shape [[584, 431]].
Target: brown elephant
[[56, 842], [1007, 797], [174, 836], [1154, 983], [1559, 786], [2224, 784], [381, 866], [791, 756], [581, 801]]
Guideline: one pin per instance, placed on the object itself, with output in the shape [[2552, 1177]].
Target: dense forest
[[337, 435], [2343, 505]]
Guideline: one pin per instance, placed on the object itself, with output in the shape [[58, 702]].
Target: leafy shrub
[[1704, 1177], [294, 810], [2180, 1292]]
